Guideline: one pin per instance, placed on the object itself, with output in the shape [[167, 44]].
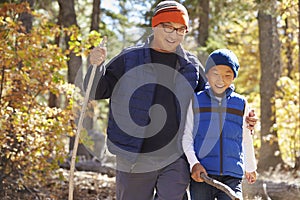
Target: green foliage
[[82, 46], [31, 134], [287, 114], [288, 89]]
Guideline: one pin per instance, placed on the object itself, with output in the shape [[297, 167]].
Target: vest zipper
[[221, 139]]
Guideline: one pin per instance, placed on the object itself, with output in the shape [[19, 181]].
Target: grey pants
[[168, 183]]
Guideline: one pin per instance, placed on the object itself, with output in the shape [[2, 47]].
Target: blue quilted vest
[[218, 137], [119, 141]]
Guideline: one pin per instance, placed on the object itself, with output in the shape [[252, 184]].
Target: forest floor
[[95, 186], [87, 186]]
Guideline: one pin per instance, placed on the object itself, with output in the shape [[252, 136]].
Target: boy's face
[[220, 77]]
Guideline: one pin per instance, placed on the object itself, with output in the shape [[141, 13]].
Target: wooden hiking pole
[[79, 126], [220, 186]]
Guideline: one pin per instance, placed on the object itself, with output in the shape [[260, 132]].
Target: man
[[149, 87]]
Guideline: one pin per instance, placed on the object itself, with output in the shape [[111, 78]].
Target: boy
[[216, 140]]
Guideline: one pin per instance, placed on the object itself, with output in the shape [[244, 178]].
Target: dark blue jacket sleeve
[[202, 78]]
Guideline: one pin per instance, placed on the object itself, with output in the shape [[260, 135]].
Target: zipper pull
[[132, 166]]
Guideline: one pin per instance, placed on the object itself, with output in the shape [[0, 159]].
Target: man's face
[[220, 78], [167, 36]]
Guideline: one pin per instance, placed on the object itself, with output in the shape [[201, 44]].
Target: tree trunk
[[297, 157], [271, 190], [203, 28], [269, 46], [53, 99], [96, 15], [289, 49], [89, 121], [298, 35], [27, 18], [204, 22], [91, 166], [67, 18]]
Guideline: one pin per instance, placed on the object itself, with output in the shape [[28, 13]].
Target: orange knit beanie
[[170, 11]]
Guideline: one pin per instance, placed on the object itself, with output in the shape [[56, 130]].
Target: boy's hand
[[98, 55], [251, 120], [251, 177], [196, 170]]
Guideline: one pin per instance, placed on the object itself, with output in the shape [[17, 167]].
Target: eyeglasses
[[170, 29]]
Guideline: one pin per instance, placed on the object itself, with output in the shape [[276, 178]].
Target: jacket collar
[[180, 52], [210, 92]]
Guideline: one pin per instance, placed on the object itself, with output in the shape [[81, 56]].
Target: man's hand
[[98, 55], [251, 177], [251, 120], [196, 170]]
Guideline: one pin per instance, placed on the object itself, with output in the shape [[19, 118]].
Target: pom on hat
[[170, 11], [223, 57]]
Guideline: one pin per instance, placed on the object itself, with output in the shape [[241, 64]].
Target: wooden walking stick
[[79, 126], [220, 186]]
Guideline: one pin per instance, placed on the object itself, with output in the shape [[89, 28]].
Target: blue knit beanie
[[223, 57]]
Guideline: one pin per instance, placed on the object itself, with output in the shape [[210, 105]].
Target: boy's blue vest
[[119, 142], [218, 138]]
